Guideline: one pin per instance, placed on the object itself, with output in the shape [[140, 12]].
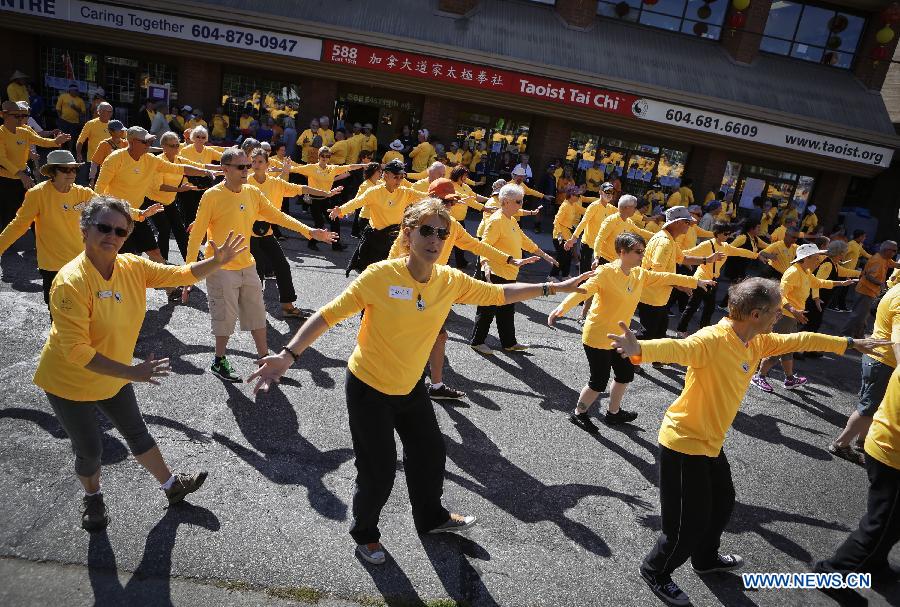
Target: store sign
[[761, 132], [170, 26], [476, 76]]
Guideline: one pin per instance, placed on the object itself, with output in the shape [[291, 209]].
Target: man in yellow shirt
[[589, 226], [325, 131], [94, 131], [423, 154], [454, 156], [310, 141], [781, 253], [567, 217], [340, 148], [354, 143], [604, 245], [369, 141], [220, 125], [593, 179], [70, 110], [17, 89], [871, 281], [394, 153]]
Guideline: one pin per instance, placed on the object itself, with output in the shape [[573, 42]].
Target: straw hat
[[59, 158], [808, 250]]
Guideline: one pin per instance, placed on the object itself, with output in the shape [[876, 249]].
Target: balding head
[[436, 171]]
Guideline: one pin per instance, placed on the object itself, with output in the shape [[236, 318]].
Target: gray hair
[[497, 185], [231, 153], [435, 166], [168, 136], [249, 144], [511, 191], [199, 129], [104, 106], [627, 201], [626, 241], [836, 248], [266, 146], [100, 203], [752, 294], [887, 244]]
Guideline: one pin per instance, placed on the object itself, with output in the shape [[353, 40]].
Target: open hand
[[525, 261], [324, 236], [569, 244], [869, 345], [336, 191], [152, 210], [572, 284], [334, 213], [556, 313], [150, 369], [625, 344], [270, 370]]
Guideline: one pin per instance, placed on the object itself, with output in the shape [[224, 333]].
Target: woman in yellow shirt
[[98, 301], [695, 485], [617, 286], [567, 217], [459, 175], [406, 301]]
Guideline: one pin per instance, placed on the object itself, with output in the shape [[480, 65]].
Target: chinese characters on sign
[[475, 76]]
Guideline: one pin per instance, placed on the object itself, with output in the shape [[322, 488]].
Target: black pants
[[141, 238], [680, 298], [587, 256], [47, 277], [563, 258], [12, 194], [268, 254], [188, 202], [505, 314], [866, 549], [169, 223], [319, 209], [814, 315], [654, 319], [839, 297], [600, 362], [707, 298], [374, 416], [696, 497], [458, 255]]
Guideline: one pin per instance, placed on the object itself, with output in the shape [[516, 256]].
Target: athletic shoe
[[222, 369], [483, 349], [680, 334], [516, 348], [620, 417], [184, 484], [583, 421], [664, 588], [791, 383], [659, 365], [723, 562], [445, 392], [762, 383], [372, 553], [456, 522], [93, 515]]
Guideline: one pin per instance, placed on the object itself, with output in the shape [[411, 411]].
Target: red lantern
[[834, 42], [700, 28], [704, 12], [737, 20], [880, 53], [838, 23], [891, 14], [650, 2], [622, 9]]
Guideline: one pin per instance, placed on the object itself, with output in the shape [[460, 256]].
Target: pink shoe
[[795, 381], [762, 383]]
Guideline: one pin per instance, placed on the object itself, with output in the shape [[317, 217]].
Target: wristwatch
[[849, 342], [509, 259]]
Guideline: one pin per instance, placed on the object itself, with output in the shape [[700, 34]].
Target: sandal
[[846, 452], [293, 312]]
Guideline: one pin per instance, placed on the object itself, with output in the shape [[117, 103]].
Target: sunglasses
[[428, 231], [105, 228], [240, 167], [67, 170]]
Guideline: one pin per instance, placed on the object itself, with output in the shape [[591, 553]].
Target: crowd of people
[[228, 208]]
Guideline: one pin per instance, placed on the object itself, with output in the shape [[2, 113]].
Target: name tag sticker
[[400, 293], [104, 294]]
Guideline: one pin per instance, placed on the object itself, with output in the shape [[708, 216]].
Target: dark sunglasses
[[67, 169], [240, 167], [428, 231], [105, 228], [324, 155]]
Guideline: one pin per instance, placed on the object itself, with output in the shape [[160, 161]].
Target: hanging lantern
[[700, 28], [834, 42], [740, 5], [650, 2], [622, 9], [737, 20], [884, 35], [891, 14], [880, 53], [838, 23], [704, 12]]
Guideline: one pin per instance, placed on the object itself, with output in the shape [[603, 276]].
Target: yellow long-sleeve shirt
[[93, 315], [593, 217], [566, 218], [94, 132], [319, 178], [70, 108], [796, 284], [205, 155], [688, 240], [421, 156], [354, 146], [459, 210], [57, 224], [824, 271], [124, 177], [711, 271], [490, 207], [784, 255], [385, 208], [275, 189], [339, 151], [402, 319], [170, 179], [310, 153], [14, 148], [617, 296], [605, 244], [854, 252], [883, 439], [661, 255], [222, 211], [504, 233], [887, 326], [720, 366], [765, 222], [528, 191], [460, 238]]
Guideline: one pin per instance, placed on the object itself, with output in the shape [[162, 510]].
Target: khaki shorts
[[233, 295]]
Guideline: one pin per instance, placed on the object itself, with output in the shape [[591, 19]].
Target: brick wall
[[706, 167], [743, 44], [24, 57], [439, 117], [318, 96], [458, 7], [548, 139], [199, 84], [828, 196], [579, 14], [870, 72]]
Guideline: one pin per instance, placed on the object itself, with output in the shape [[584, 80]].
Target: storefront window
[[386, 113], [503, 138], [730, 179], [694, 17], [812, 33], [261, 96], [745, 182]]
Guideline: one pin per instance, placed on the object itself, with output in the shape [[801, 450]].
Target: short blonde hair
[[416, 213]]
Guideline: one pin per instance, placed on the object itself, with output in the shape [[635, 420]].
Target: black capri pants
[[79, 420], [600, 362]]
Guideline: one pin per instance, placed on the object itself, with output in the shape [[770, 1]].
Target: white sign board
[[761, 132], [170, 26]]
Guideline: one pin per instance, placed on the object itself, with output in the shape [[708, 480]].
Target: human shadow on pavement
[[20, 273], [280, 452], [649, 470], [525, 497], [155, 338], [767, 428], [452, 557], [393, 584], [814, 406], [150, 583], [556, 395], [728, 588]]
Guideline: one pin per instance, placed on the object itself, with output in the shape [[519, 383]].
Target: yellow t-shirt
[[220, 126], [402, 319], [244, 122], [592, 219], [17, 92], [877, 266], [104, 149], [327, 136], [458, 238], [687, 195], [319, 178], [275, 189], [796, 284], [674, 199], [503, 233], [887, 326], [459, 210], [310, 152], [454, 158], [94, 132], [70, 108], [778, 233], [14, 148], [385, 208], [124, 177], [392, 155], [688, 240], [593, 179], [854, 252], [205, 156], [883, 440], [93, 315], [222, 211], [617, 296], [661, 255], [720, 366], [765, 222], [422, 155], [57, 224], [339, 151], [567, 216], [354, 147], [604, 244], [785, 255], [369, 143], [711, 271], [809, 223], [193, 123]]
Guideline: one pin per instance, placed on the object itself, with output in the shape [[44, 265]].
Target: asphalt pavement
[[564, 517]]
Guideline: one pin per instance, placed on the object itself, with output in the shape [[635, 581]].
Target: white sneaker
[[483, 349], [372, 553], [517, 348]]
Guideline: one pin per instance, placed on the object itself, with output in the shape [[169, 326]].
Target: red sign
[[476, 76]]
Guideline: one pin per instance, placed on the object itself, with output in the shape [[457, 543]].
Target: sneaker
[[222, 369], [664, 588], [848, 453], [445, 392], [658, 365], [762, 383], [456, 522], [184, 484], [791, 383], [483, 349], [93, 515], [620, 417], [371, 553], [516, 348], [680, 334], [723, 562], [583, 421]]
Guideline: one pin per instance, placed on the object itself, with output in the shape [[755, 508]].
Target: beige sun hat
[[59, 158]]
